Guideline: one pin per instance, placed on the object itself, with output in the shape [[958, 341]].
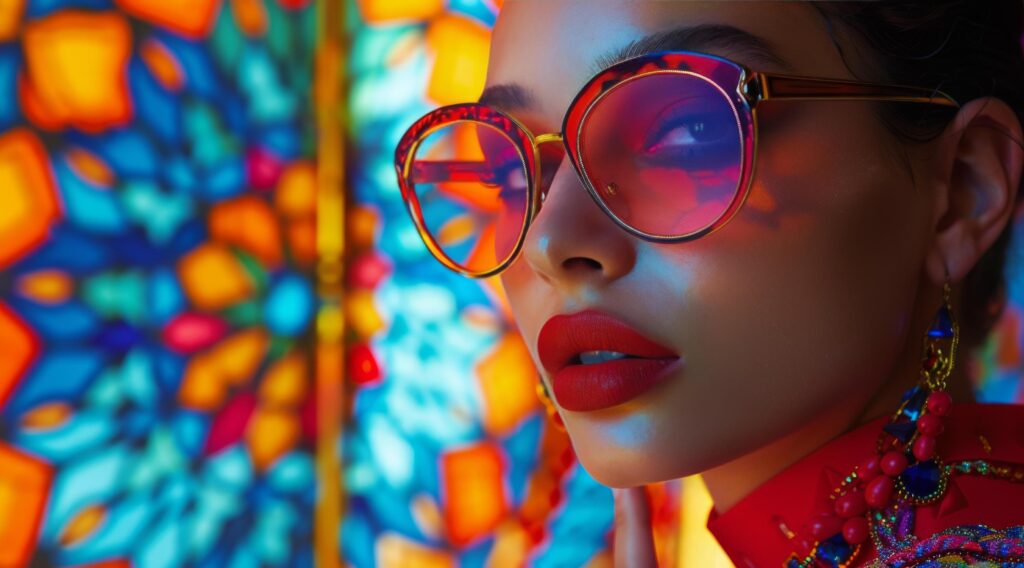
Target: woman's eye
[[686, 132]]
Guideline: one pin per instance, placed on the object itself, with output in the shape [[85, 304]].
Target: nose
[[572, 241]]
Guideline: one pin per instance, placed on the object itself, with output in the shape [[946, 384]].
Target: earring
[[549, 405], [937, 365]]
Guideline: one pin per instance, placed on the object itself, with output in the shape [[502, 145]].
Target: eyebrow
[[701, 38]]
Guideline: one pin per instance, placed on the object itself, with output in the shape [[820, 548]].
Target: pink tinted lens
[[664, 152], [470, 184]]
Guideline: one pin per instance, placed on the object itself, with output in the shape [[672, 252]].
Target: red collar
[[754, 531]]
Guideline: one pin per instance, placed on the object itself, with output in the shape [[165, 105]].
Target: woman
[[736, 237]]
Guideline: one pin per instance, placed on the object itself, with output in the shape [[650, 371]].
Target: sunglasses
[[664, 143]]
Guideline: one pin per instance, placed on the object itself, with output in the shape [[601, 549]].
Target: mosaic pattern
[[156, 245]]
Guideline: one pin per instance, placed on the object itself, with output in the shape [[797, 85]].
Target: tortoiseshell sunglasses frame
[[743, 88]]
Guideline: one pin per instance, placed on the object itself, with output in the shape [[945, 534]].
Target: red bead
[[855, 530], [939, 403], [868, 469], [930, 425], [930, 363], [924, 448], [878, 492], [850, 504], [825, 526], [893, 463]]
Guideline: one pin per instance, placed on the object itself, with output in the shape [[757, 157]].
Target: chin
[[620, 468]]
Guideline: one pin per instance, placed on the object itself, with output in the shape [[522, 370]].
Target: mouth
[[597, 361]]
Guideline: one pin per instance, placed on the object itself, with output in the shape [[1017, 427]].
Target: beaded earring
[[905, 466]]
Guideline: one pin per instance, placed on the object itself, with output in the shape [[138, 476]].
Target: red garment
[[753, 532]]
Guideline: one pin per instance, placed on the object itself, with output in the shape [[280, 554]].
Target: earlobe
[[982, 180]]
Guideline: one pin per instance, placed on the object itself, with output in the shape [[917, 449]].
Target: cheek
[[789, 312]]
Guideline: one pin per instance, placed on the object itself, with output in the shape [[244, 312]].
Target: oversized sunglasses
[[664, 143]]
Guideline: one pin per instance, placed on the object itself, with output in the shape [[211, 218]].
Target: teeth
[[591, 357]]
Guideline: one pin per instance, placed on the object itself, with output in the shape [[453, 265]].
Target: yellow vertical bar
[[328, 98]]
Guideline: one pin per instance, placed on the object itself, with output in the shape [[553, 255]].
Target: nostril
[[581, 263]]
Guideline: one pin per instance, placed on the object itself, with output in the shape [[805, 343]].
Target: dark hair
[[967, 49]]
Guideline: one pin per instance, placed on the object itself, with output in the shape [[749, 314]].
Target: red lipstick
[[597, 361]]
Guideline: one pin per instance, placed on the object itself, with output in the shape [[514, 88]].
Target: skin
[[798, 320]]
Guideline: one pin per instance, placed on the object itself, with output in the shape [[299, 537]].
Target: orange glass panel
[[302, 241], [474, 497], [18, 347], [296, 190], [83, 525], [286, 382], [251, 16], [90, 167], [10, 17], [270, 435], [396, 551], [248, 223], [213, 278], [191, 18], [163, 64], [233, 362], [508, 382], [62, 49], [24, 487], [46, 286], [47, 416], [29, 195]]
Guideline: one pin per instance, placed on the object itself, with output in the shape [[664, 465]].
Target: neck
[[731, 482]]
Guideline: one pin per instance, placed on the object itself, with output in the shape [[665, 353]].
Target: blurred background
[[222, 342]]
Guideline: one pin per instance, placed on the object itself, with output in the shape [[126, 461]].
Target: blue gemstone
[[915, 399], [922, 479], [792, 563], [942, 327], [834, 552], [902, 431]]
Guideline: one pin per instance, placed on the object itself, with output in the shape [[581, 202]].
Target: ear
[[981, 170]]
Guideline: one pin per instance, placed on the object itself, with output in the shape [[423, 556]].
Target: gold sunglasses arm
[[765, 87]]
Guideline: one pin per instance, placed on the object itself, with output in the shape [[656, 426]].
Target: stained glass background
[[171, 320], [156, 297]]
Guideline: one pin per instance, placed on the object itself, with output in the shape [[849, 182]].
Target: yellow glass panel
[[461, 46], [382, 11], [63, 48]]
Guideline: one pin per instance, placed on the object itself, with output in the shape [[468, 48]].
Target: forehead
[[551, 47]]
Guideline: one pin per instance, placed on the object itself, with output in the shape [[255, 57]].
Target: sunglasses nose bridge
[[548, 138]]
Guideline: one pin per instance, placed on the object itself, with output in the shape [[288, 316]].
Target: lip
[[583, 388]]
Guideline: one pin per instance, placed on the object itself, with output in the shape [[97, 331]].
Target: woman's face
[[799, 308]]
